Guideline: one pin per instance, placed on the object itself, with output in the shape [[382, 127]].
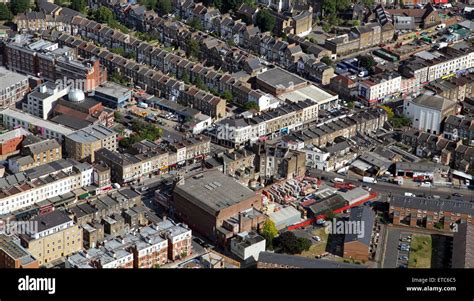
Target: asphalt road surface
[[388, 189]]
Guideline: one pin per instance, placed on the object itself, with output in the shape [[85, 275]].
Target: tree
[[117, 50], [399, 122], [370, 3], [389, 111], [227, 95], [199, 83], [288, 243], [185, 78], [326, 27], [304, 244], [103, 15], [195, 23], [251, 105], [79, 5], [269, 232], [334, 20], [367, 61], [164, 7], [265, 20], [118, 116], [193, 48], [342, 5], [327, 60], [19, 6], [329, 7], [5, 13]]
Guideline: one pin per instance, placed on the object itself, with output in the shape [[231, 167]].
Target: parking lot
[[404, 245]]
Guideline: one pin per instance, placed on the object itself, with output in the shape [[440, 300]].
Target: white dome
[[76, 95]]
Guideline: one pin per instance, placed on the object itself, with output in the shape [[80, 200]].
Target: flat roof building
[[13, 87], [83, 143], [206, 200]]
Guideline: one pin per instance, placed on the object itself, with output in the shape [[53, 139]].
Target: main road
[[388, 189]]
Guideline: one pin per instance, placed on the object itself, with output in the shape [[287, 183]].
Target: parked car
[[457, 194], [317, 238], [404, 257]]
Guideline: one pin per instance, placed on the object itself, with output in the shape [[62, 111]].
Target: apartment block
[[12, 118], [14, 256], [35, 152], [441, 214], [21, 190], [57, 236], [13, 87], [83, 143], [41, 101]]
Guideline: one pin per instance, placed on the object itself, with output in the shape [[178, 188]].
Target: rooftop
[[213, 191], [30, 119], [303, 262], [434, 102], [279, 78], [9, 78], [455, 206], [91, 134]]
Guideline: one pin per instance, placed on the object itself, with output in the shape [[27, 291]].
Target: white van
[[337, 180], [425, 184]]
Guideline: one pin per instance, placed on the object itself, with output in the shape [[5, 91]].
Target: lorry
[[369, 180], [143, 105], [440, 45]]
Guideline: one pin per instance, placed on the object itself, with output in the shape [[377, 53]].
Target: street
[[387, 189]]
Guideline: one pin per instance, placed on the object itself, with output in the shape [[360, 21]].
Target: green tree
[[118, 116], [265, 20], [389, 111], [117, 50], [269, 232], [327, 60], [217, 4], [304, 244], [103, 15], [199, 83], [326, 27], [370, 3], [193, 48], [367, 61], [334, 20], [401, 121], [164, 7], [251, 105], [227, 95], [185, 78], [195, 23], [79, 5], [19, 6], [329, 7], [288, 243], [5, 13], [342, 5]]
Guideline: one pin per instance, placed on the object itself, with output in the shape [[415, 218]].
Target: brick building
[[428, 213], [207, 200]]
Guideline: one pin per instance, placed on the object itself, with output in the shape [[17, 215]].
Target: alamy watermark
[[18, 227], [84, 85], [346, 227]]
